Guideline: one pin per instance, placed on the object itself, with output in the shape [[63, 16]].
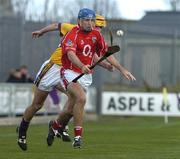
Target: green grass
[[108, 138]]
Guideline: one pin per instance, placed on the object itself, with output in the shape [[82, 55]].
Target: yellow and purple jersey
[[64, 28]]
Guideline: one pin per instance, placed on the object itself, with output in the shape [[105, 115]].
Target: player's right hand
[[37, 34], [85, 69]]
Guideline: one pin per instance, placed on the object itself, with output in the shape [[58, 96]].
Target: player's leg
[[57, 127], [40, 94], [76, 92], [52, 80], [67, 113], [79, 96], [39, 98]]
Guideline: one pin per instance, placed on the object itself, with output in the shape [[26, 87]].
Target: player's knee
[[81, 100], [37, 106], [69, 111]]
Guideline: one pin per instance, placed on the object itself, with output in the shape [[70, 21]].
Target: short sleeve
[[69, 42]]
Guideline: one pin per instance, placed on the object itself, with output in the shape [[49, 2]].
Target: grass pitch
[[108, 138]]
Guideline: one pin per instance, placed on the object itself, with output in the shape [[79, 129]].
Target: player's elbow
[[71, 55]]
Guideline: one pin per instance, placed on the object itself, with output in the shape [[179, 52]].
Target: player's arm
[[103, 64], [112, 60], [101, 49], [51, 27], [76, 61]]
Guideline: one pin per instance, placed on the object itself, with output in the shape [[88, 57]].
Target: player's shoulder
[[65, 28], [68, 25], [72, 33], [96, 32], [75, 28]]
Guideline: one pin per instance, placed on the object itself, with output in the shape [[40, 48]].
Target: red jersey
[[84, 45]]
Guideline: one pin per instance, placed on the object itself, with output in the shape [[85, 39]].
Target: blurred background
[[150, 46]]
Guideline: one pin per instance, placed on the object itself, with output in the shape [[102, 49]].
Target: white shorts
[[48, 76], [68, 75]]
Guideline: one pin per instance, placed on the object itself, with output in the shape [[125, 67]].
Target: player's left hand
[[128, 75]]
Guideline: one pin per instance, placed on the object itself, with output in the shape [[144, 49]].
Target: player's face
[[86, 24]]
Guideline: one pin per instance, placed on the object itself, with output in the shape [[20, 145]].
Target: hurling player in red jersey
[[67, 113], [79, 47]]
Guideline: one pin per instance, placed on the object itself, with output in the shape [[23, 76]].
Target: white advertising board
[[15, 98], [142, 104]]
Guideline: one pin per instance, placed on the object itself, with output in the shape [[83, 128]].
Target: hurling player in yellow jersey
[[48, 78]]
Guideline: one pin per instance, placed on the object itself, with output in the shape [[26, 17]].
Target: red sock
[[56, 125], [78, 131]]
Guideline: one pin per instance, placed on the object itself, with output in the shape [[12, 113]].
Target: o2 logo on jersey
[[87, 50]]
